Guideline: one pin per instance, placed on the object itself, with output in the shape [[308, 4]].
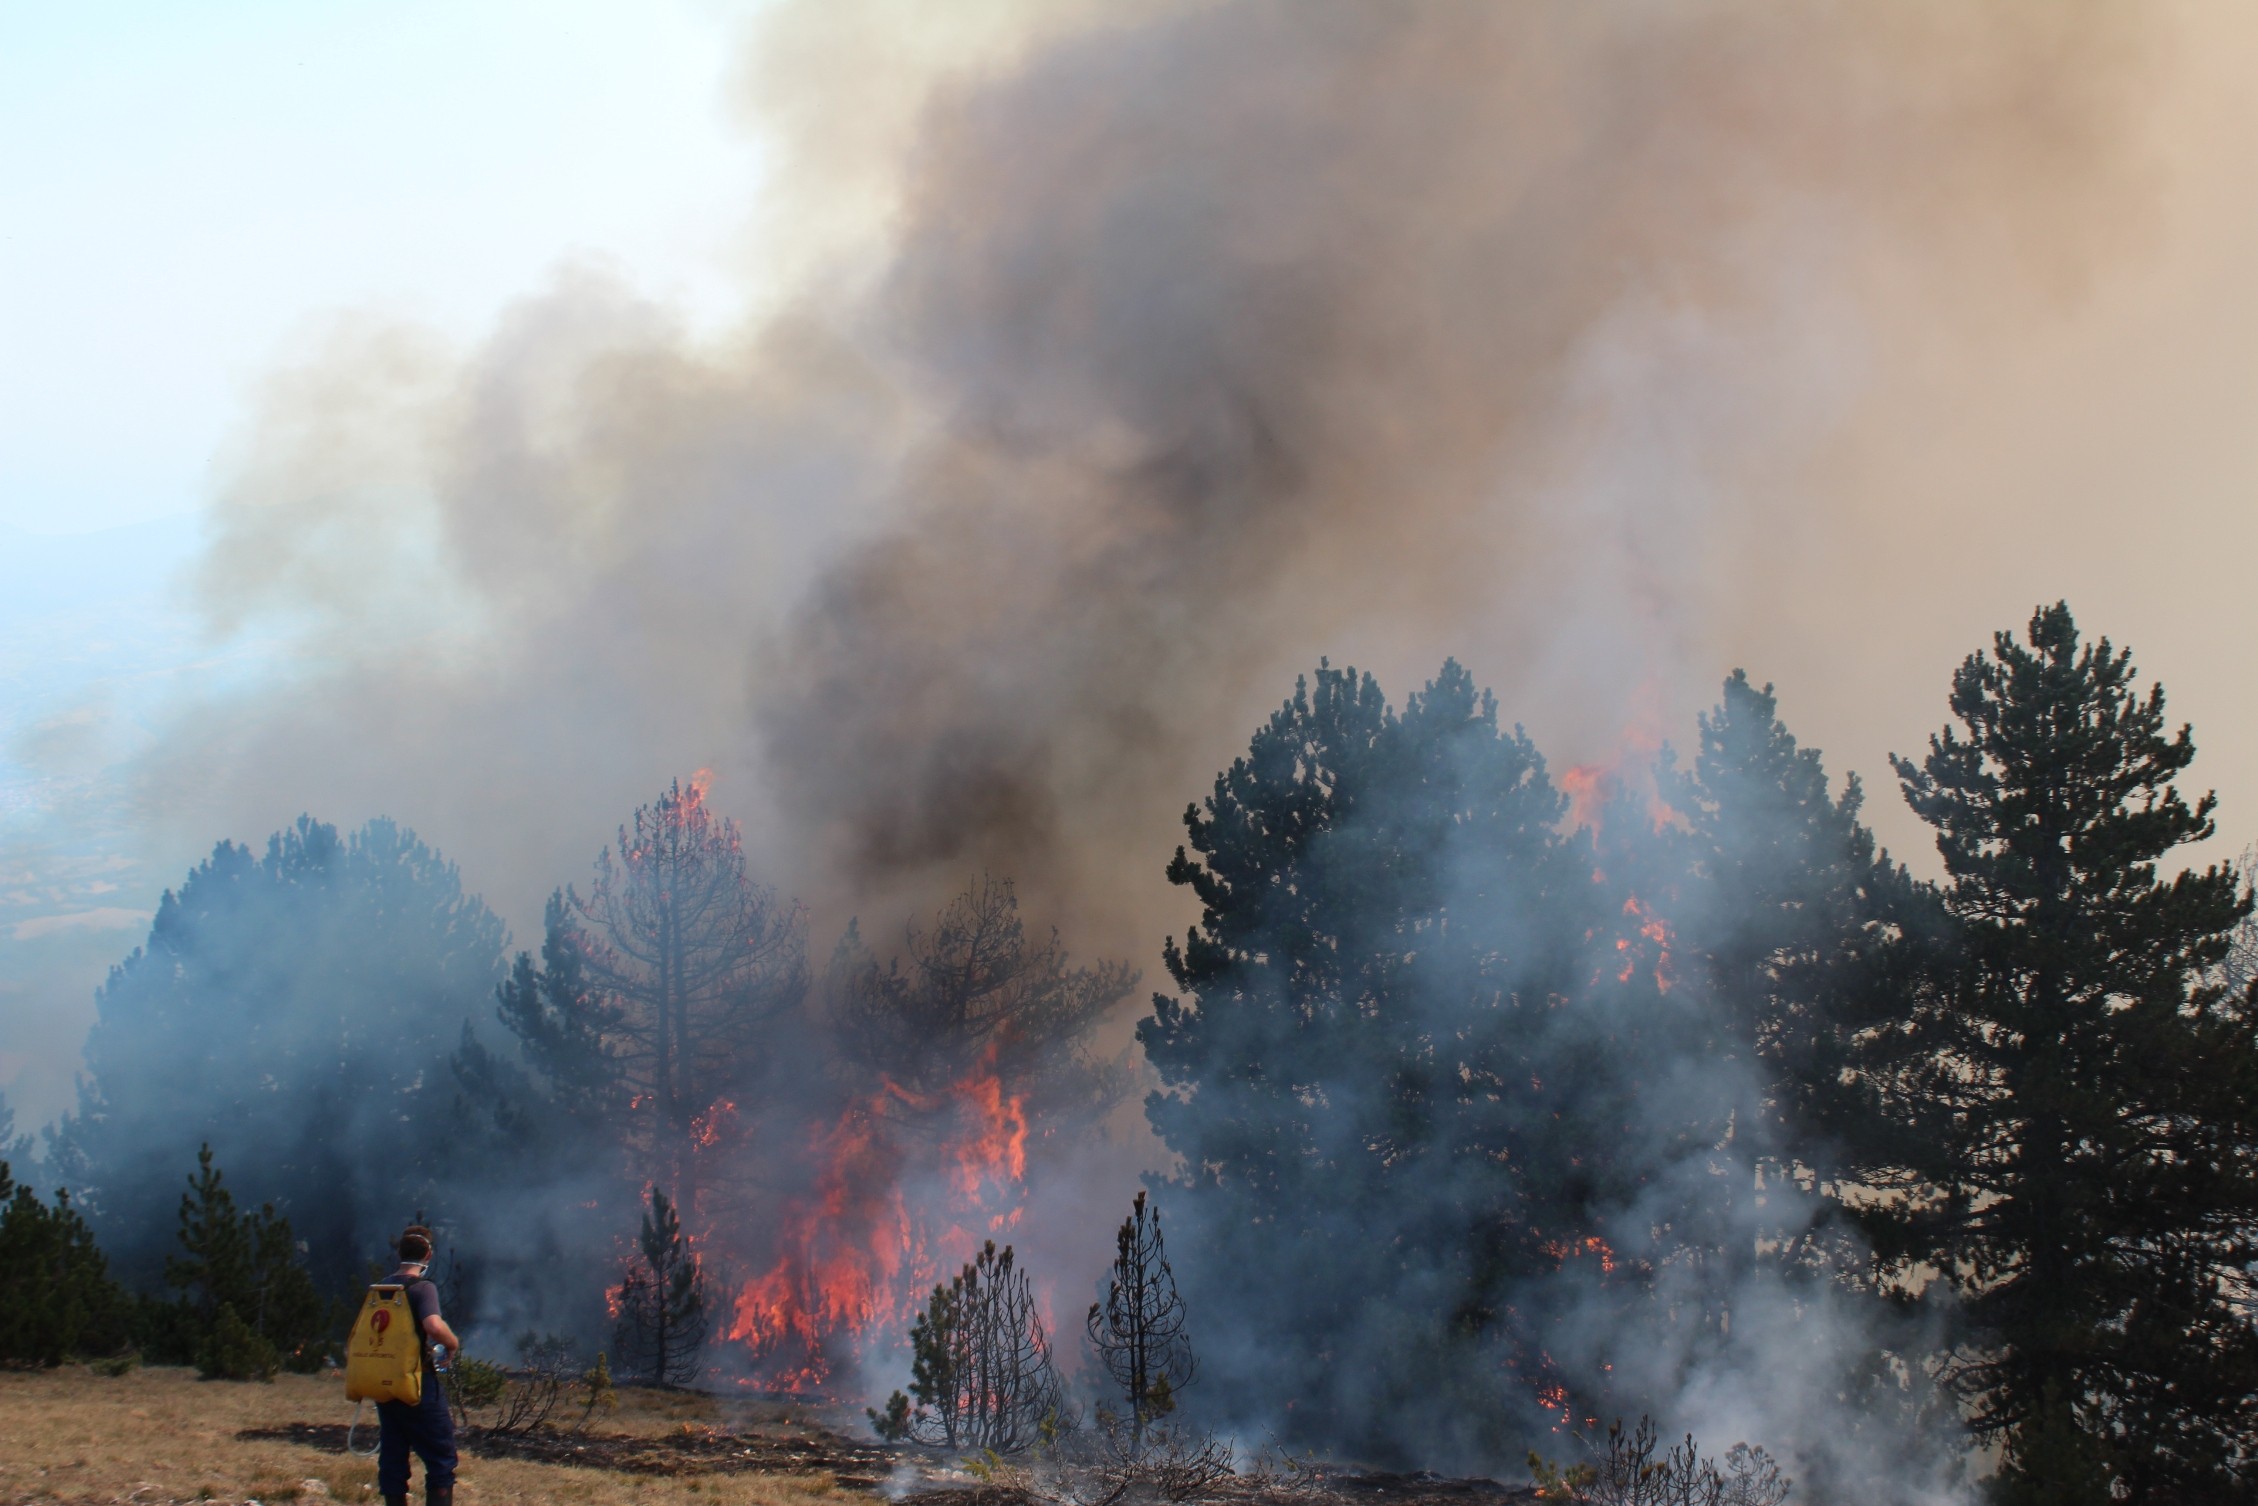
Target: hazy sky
[[195, 193], [189, 187]]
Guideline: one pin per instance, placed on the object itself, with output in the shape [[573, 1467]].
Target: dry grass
[[160, 1436]]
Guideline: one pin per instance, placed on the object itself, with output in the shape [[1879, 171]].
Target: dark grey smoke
[[1250, 327]]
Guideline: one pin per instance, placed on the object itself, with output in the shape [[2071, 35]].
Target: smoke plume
[[1113, 363], [1191, 342]]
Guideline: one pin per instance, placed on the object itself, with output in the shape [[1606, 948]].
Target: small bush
[[234, 1350], [1629, 1472], [474, 1385], [546, 1368], [980, 1372], [895, 1423], [596, 1391], [116, 1365]]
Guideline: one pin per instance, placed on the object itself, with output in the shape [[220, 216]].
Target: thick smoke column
[[1203, 339], [1253, 326]]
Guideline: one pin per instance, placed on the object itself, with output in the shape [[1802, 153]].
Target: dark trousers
[[428, 1428]]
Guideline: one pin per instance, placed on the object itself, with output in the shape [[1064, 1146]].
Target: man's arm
[[435, 1327]]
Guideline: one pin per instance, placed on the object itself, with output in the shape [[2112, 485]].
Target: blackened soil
[[690, 1449], [1424, 1489], [694, 1448]]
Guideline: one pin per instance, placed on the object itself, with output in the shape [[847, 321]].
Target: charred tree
[[663, 1319], [981, 1374], [974, 992], [659, 987], [1138, 1329]]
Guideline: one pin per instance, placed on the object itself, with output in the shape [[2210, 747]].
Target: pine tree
[[13, 1147], [2083, 1101], [1368, 1054], [981, 1373], [318, 990], [662, 1301], [567, 1033], [239, 1275], [931, 1411], [1796, 930], [973, 993], [1138, 1328], [61, 1301]]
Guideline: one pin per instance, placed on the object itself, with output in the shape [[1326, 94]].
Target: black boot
[[399, 1500], [439, 1495]]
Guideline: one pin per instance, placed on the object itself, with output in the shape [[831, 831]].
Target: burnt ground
[[690, 1448], [905, 1476]]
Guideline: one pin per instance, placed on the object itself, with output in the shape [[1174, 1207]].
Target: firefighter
[[425, 1426]]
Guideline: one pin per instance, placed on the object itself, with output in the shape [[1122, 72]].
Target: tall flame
[[855, 1255]]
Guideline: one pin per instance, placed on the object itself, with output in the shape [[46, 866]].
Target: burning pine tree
[[660, 990], [956, 1049], [662, 1320]]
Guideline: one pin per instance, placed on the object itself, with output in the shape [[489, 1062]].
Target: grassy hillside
[[159, 1436]]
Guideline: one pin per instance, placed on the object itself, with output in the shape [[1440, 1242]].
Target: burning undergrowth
[[863, 1133], [855, 1252]]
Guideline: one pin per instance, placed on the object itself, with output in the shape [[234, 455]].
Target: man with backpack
[[425, 1425]]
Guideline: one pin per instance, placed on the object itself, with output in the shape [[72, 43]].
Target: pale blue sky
[[187, 189]]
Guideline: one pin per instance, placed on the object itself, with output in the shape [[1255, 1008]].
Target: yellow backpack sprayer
[[384, 1355]]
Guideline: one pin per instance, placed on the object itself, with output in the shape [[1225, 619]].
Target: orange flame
[[1589, 786], [709, 1128], [1565, 1250], [855, 1256], [1657, 931]]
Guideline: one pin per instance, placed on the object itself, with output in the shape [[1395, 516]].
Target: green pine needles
[[981, 1375], [2081, 1096]]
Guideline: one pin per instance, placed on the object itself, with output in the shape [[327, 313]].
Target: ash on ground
[[797, 1440]]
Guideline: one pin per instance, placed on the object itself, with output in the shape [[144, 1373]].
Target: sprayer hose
[[354, 1425]]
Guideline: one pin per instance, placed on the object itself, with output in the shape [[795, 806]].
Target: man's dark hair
[[415, 1243]]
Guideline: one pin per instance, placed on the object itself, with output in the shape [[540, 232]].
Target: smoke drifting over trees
[[297, 1010], [1198, 340]]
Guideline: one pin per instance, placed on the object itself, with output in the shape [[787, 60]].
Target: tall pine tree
[[1368, 1057], [1796, 932], [2083, 1099], [296, 1011]]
